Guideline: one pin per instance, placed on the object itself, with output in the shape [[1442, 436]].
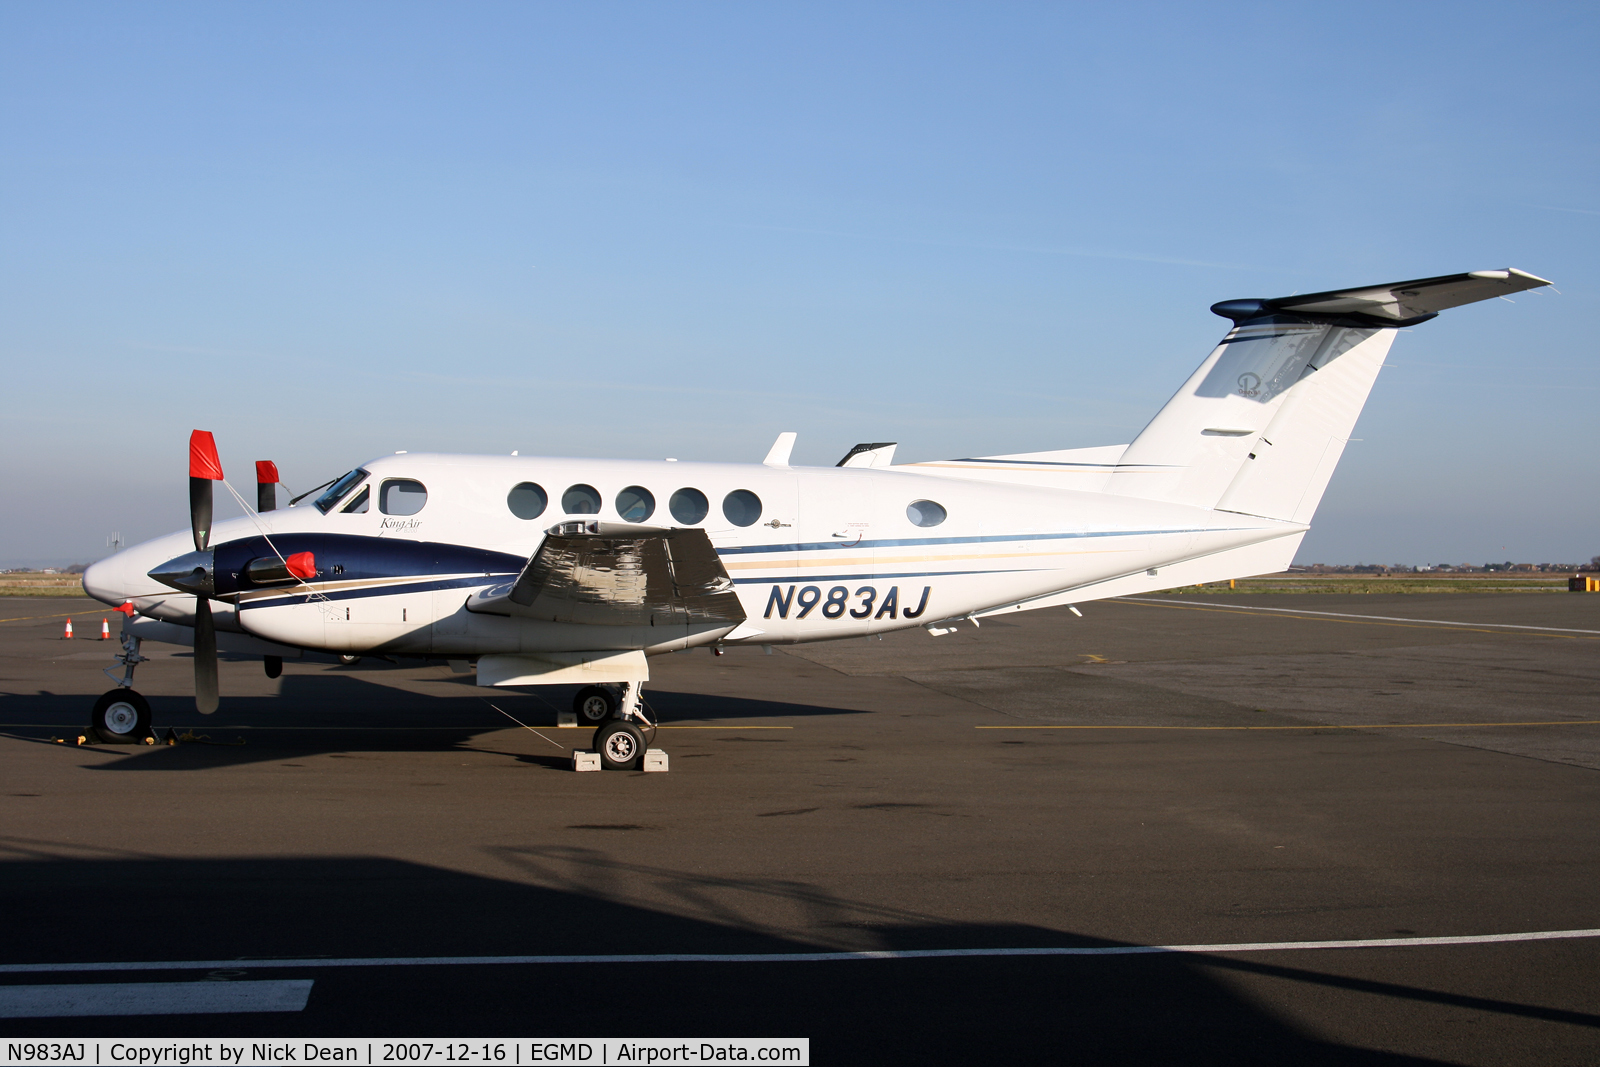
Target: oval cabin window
[[925, 513]]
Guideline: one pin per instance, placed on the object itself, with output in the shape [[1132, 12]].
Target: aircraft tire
[[273, 665], [621, 746], [349, 661], [594, 704], [121, 717]]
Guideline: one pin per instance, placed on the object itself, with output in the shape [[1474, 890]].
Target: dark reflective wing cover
[[659, 578]]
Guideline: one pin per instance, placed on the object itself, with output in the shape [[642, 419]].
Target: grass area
[[34, 583], [1371, 583]]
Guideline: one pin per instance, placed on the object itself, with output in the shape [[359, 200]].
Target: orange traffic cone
[[68, 635], [105, 629]]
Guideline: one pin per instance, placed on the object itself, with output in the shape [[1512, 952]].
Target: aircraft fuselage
[[814, 553]]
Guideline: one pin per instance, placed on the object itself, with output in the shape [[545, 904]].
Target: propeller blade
[[204, 468], [200, 512], [205, 658], [266, 485]]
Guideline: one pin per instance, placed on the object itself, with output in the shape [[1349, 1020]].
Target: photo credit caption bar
[[589, 1051]]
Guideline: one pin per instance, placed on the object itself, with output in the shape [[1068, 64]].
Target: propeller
[[204, 468]]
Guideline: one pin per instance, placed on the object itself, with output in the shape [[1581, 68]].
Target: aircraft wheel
[[121, 716], [349, 661], [594, 704], [273, 665], [621, 746]]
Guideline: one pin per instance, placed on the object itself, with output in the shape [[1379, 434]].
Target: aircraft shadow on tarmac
[[349, 710], [1149, 1008]]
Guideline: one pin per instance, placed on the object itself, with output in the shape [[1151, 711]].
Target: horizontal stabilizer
[[1393, 304]]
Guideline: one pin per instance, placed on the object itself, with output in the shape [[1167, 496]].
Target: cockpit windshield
[[339, 489]]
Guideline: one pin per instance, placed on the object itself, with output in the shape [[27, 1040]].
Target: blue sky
[[330, 231]]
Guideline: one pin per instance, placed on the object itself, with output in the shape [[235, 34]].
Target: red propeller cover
[[203, 461], [302, 565], [266, 472]]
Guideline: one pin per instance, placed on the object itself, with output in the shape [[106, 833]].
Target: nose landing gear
[[121, 715]]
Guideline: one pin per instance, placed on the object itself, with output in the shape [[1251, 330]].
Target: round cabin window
[[689, 506], [742, 507], [635, 504], [925, 513], [580, 500], [527, 500]]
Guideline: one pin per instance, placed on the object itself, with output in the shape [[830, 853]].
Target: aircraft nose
[[191, 572], [103, 581]]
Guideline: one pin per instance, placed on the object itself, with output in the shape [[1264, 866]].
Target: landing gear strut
[[121, 715]]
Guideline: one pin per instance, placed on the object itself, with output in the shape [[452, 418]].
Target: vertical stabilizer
[[1252, 428], [1259, 428]]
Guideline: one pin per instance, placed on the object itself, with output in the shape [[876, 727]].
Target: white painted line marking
[[799, 957], [1345, 615], [152, 998]]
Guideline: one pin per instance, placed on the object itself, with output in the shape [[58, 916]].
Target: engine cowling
[[347, 593]]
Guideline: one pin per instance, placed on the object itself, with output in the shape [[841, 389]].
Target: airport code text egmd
[[590, 1052]]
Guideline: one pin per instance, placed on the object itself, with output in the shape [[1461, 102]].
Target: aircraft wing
[[615, 574]]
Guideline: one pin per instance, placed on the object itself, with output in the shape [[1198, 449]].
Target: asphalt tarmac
[[1225, 770]]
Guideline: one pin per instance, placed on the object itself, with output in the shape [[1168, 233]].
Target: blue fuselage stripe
[[797, 579], [901, 542], [422, 585]]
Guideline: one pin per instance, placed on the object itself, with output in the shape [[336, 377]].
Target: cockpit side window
[[402, 496], [339, 490], [358, 506]]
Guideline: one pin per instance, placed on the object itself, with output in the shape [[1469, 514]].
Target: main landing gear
[[620, 744], [617, 712], [121, 716], [594, 704]]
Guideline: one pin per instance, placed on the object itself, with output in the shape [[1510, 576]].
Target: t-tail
[[1259, 428]]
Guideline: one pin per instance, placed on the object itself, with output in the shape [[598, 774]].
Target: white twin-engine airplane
[[559, 571]]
